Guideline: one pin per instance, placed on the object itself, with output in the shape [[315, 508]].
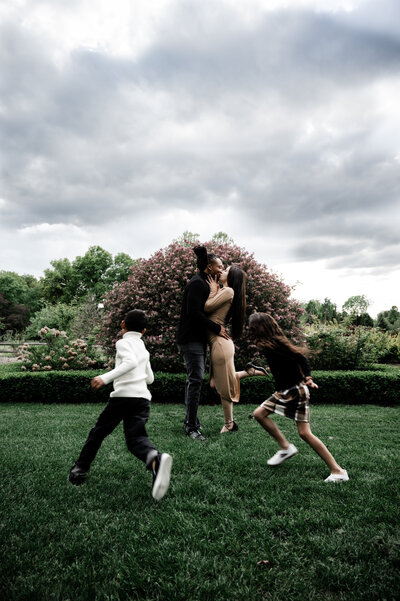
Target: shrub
[[58, 352], [387, 345], [156, 286], [336, 347], [58, 316], [378, 387], [51, 387]]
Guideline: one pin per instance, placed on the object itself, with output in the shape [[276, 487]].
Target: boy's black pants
[[134, 412]]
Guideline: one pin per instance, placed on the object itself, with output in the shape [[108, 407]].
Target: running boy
[[129, 402], [292, 374]]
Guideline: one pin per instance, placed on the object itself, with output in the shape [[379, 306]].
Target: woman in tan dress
[[227, 304]]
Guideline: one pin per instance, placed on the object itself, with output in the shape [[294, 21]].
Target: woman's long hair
[[203, 257], [267, 334], [237, 312]]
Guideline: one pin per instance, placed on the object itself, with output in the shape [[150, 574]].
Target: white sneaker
[[161, 476], [282, 455], [338, 477]]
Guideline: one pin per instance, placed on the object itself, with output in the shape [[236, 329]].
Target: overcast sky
[[125, 123]]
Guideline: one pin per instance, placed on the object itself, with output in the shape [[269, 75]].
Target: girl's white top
[[132, 370]]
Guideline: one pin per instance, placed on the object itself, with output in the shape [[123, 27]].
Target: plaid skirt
[[292, 403]]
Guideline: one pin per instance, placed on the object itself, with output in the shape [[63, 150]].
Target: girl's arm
[[306, 371]]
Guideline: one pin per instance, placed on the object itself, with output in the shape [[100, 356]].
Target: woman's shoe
[[234, 428], [250, 366]]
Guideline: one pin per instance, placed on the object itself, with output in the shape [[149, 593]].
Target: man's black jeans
[[194, 354], [134, 412]]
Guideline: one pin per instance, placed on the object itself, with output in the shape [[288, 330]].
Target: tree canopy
[[92, 274]]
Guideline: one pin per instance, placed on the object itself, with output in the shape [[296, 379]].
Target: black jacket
[[194, 323], [288, 369]]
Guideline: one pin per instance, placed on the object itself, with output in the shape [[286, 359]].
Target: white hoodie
[[132, 370]]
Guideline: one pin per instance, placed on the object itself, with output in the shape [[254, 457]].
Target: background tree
[[355, 311], [389, 320], [59, 284], [156, 285], [189, 239], [19, 298], [315, 311], [90, 272], [221, 238], [91, 275], [119, 270], [356, 305]]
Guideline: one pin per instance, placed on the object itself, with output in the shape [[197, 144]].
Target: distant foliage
[[92, 274], [59, 316], [387, 345], [59, 353], [335, 347], [156, 286], [319, 312], [19, 298], [389, 320]]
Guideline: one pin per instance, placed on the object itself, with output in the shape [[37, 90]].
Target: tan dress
[[222, 351]]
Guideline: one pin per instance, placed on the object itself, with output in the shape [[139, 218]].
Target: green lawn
[[225, 510]]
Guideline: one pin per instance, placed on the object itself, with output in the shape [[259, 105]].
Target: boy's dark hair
[[135, 320]]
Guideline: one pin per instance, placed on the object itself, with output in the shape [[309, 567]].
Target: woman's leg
[[319, 447], [261, 414], [253, 372], [227, 407]]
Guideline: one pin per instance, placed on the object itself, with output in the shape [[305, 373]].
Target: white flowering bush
[[58, 352]]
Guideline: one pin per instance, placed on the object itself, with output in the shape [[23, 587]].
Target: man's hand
[[224, 333], [96, 383]]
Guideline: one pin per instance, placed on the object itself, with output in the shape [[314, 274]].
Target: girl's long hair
[[237, 312], [203, 257], [267, 334]]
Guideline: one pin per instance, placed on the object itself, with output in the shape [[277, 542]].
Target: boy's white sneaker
[[161, 476], [282, 455], [338, 477]]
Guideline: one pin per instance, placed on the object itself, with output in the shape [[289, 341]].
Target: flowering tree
[[156, 286]]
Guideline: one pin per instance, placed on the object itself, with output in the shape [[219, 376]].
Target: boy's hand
[[96, 383]]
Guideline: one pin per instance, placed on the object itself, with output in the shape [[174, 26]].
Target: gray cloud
[[273, 119]]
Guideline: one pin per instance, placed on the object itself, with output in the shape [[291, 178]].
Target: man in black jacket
[[192, 334]]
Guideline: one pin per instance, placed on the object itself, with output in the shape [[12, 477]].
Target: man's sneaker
[[77, 475], [282, 455], [161, 475], [338, 477], [196, 435]]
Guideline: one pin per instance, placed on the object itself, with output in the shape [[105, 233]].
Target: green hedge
[[378, 387]]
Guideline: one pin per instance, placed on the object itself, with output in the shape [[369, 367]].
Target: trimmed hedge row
[[378, 387]]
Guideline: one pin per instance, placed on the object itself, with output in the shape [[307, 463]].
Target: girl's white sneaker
[[282, 455], [338, 477]]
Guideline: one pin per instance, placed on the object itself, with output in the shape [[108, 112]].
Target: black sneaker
[[196, 435], [161, 475], [77, 475]]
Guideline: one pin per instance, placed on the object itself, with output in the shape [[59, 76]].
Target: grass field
[[225, 511]]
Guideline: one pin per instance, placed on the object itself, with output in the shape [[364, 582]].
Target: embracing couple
[[212, 298]]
